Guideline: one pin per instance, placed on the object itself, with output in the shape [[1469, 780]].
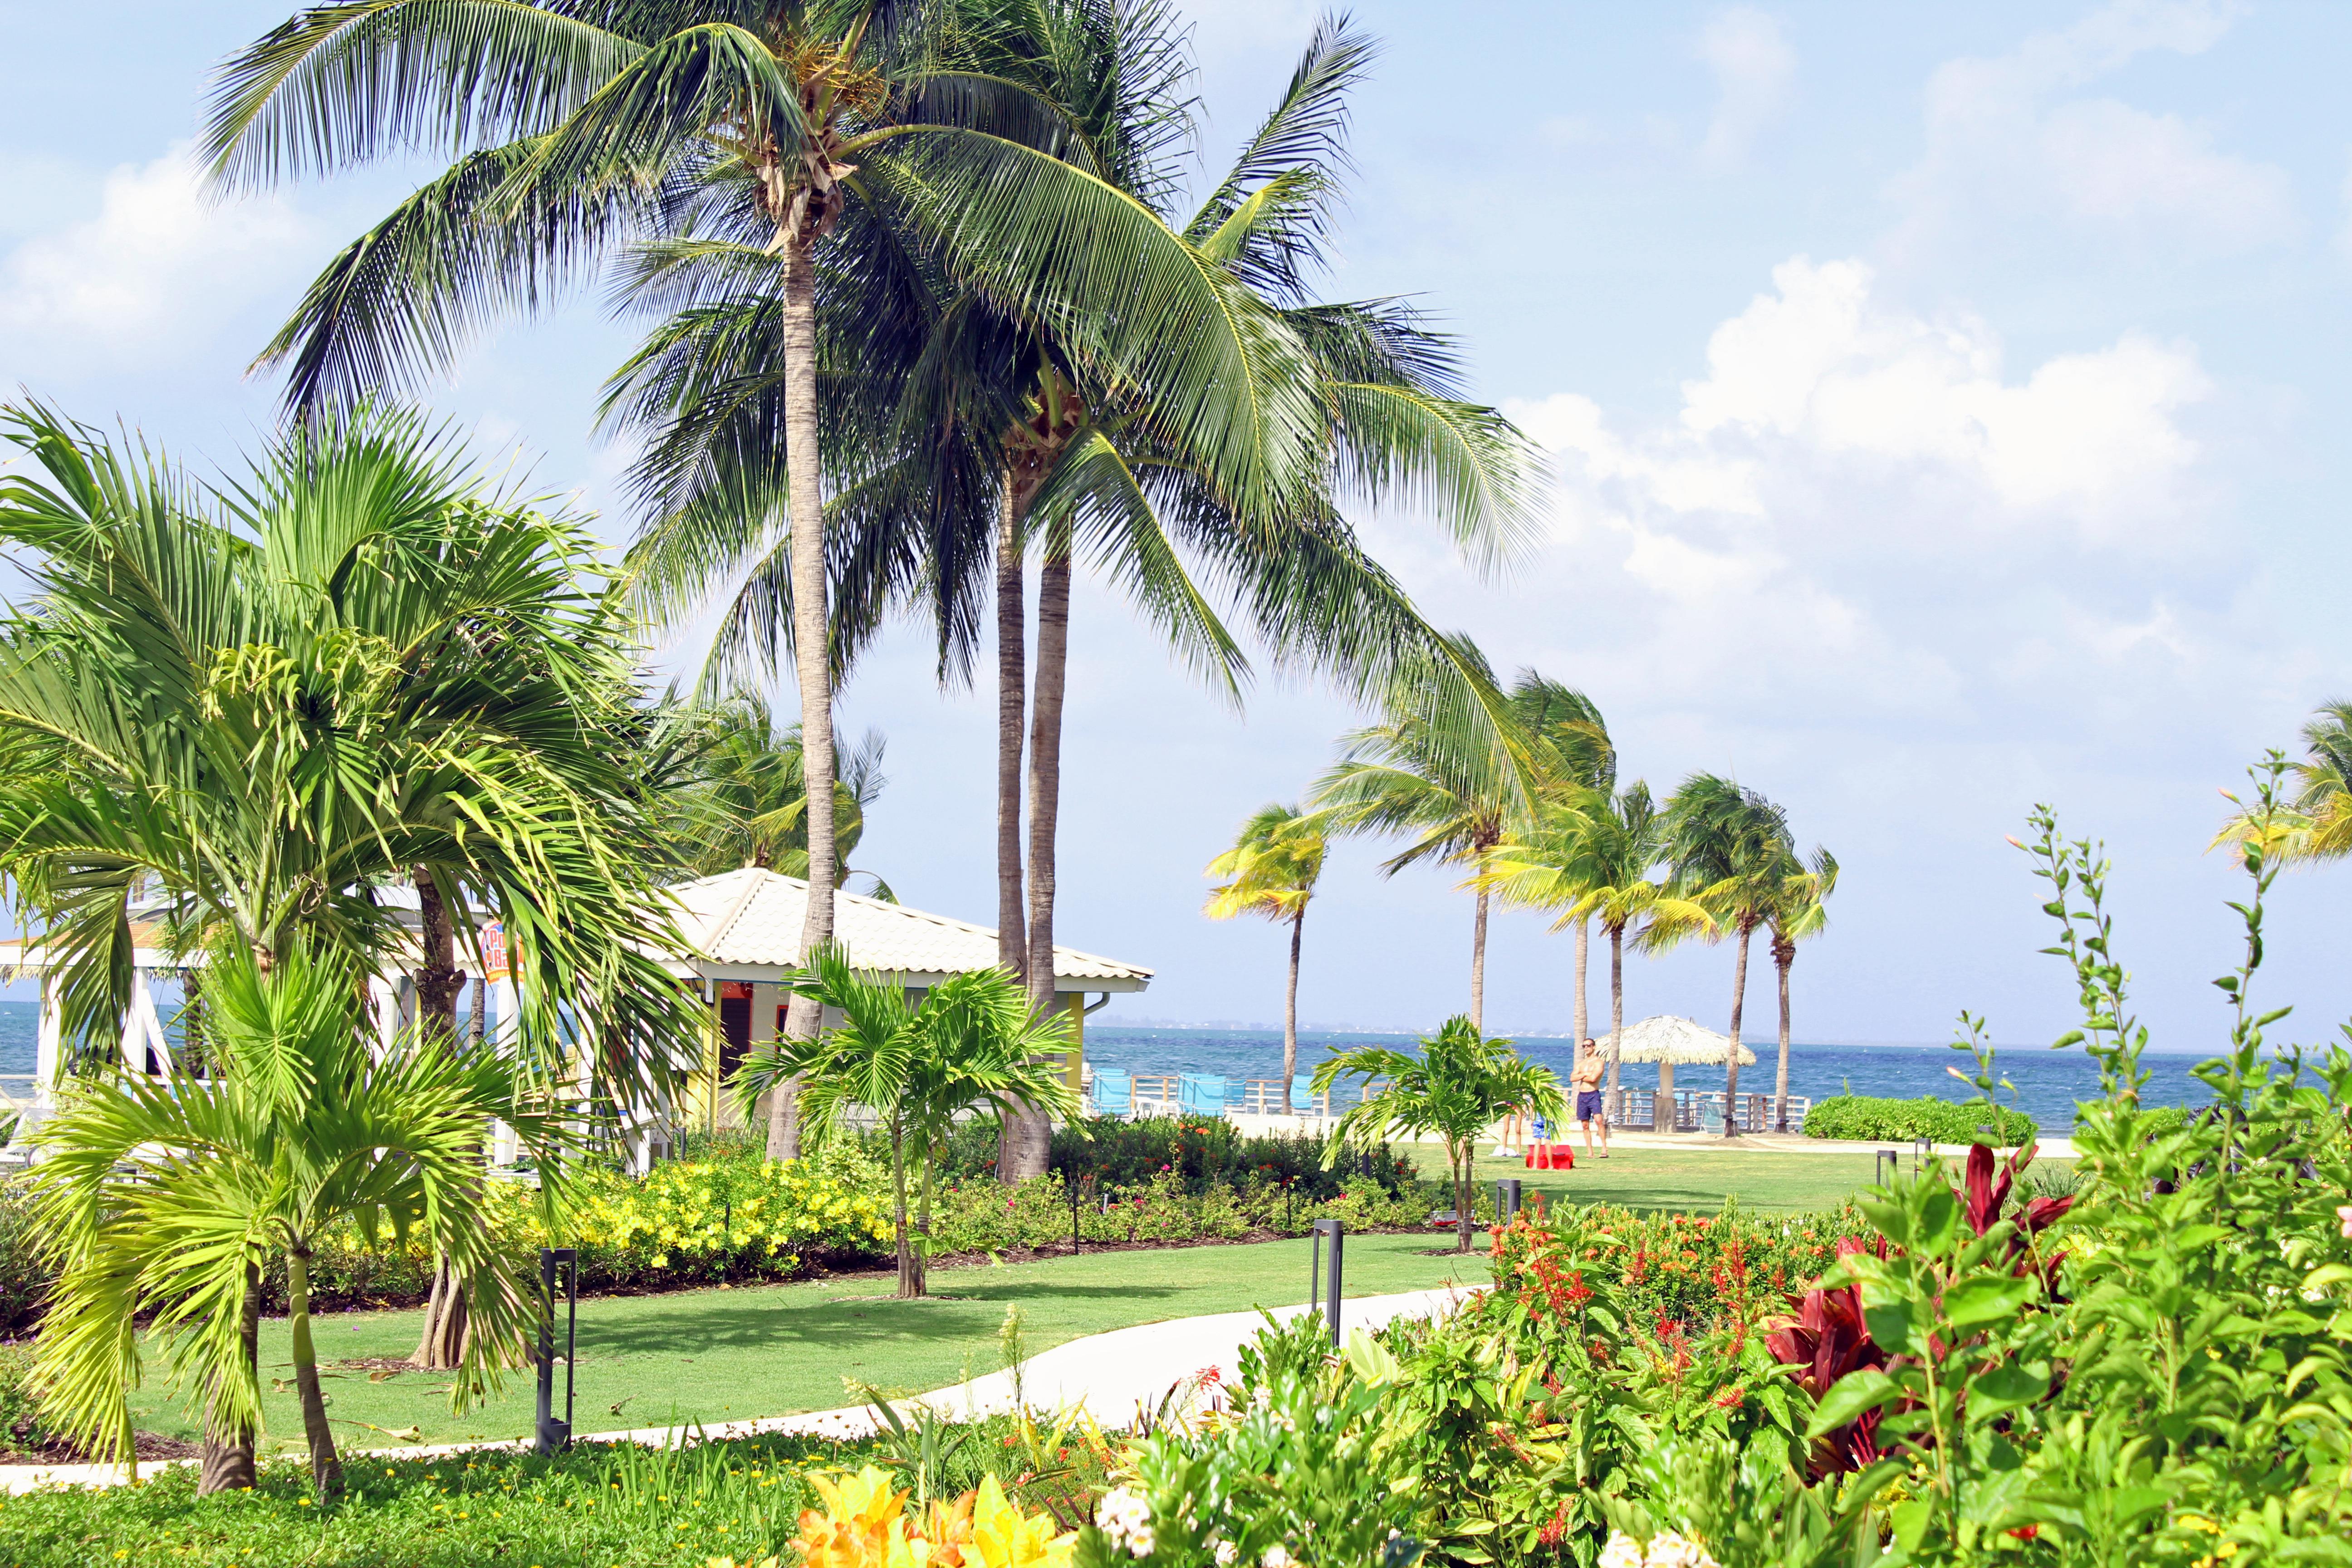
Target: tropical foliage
[[1731, 850], [166, 1202], [743, 796], [970, 1043], [1459, 1085], [1859, 1116]]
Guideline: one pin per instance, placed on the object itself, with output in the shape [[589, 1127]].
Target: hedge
[[1868, 1119]]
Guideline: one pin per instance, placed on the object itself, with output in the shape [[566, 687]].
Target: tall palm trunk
[[1784, 954], [227, 1461], [910, 1284], [1012, 709], [1478, 962], [1458, 1157], [1738, 1008], [441, 1341], [1028, 1137], [326, 1469], [1583, 954], [1290, 1013], [1616, 1001], [812, 643]]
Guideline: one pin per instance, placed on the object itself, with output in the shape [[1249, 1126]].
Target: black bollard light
[[1332, 1233], [554, 1435], [1507, 1200], [1890, 1165]]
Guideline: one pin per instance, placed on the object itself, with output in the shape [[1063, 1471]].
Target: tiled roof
[[753, 918]]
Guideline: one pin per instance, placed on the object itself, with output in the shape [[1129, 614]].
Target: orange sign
[[493, 953]]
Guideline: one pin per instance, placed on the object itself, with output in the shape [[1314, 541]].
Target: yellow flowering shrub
[[865, 1525]]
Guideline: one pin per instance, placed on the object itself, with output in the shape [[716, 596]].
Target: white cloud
[[1859, 506], [2006, 139], [158, 270], [1753, 66]]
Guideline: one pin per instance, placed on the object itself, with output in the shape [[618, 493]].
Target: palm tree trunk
[[909, 1288], [1738, 1009], [227, 1461], [1616, 1000], [1783, 955], [440, 1342], [1290, 1013], [923, 1225], [1012, 707], [326, 1469], [1583, 952], [1478, 964], [1029, 1135], [1458, 1158], [812, 642]]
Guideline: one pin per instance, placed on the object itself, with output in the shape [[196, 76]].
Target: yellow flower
[[860, 1527], [1002, 1538]]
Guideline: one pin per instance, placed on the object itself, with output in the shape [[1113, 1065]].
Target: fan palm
[[973, 1041], [746, 800], [1731, 849], [261, 702], [1797, 908], [1460, 1084], [1274, 866], [1595, 859], [979, 431], [166, 1202]]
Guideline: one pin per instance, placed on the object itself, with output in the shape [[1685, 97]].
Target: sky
[[1946, 413]]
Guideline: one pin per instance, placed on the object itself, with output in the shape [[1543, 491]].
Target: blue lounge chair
[[1114, 1092], [1302, 1095], [1202, 1094]]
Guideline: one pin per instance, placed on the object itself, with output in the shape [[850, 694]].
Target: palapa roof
[[751, 921], [1682, 1041]]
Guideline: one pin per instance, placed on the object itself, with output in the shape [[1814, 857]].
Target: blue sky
[[1948, 411]]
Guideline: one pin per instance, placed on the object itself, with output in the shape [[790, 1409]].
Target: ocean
[[2048, 1083]]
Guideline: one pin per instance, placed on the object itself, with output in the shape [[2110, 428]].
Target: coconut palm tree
[[1459, 1085], [356, 665], [1432, 769], [972, 1042], [1731, 849], [1273, 867], [2317, 826], [1799, 907], [1597, 861], [583, 128], [165, 1203], [973, 417], [1568, 739], [746, 800]]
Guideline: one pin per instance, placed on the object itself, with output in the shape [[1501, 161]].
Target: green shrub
[[1871, 1120], [1200, 1151]]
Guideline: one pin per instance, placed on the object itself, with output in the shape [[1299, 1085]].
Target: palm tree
[[357, 665], [1576, 761], [584, 127], [746, 800], [1595, 860], [307, 1128], [971, 1042], [983, 414], [1456, 1088], [1273, 867], [1431, 770], [1798, 908], [2318, 825], [1731, 849]]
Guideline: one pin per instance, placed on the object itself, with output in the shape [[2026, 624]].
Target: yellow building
[[745, 928]]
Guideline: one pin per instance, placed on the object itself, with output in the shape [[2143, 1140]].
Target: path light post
[[1921, 1148], [554, 1435], [1890, 1165], [1507, 1200], [1333, 1233]]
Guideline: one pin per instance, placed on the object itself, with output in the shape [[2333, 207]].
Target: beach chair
[[1302, 1096], [1201, 1094], [1114, 1092]]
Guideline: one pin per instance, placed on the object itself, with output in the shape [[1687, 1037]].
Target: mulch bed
[[23, 1449]]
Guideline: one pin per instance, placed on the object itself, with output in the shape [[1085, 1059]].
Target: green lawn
[[1695, 1182], [729, 1354]]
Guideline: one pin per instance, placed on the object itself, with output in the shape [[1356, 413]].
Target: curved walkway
[[1112, 1376]]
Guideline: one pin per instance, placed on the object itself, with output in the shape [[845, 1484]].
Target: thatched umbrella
[[1668, 1040]]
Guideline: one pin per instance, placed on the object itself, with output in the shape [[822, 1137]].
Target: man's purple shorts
[[1588, 1105]]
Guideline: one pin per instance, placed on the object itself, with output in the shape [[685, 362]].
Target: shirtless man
[[1586, 1076]]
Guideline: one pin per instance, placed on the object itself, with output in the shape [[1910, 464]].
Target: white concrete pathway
[[1111, 1375]]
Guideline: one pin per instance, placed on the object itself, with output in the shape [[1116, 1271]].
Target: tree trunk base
[[224, 1468]]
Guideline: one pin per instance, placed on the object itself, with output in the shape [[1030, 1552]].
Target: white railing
[[1701, 1110]]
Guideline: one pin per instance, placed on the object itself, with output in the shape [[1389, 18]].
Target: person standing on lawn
[[1586, 1077]]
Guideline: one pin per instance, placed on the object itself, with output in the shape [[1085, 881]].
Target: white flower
[[1623, 1552], [1226, 1552], [1668, 1550], [1126, 1517], [1277, 1556]]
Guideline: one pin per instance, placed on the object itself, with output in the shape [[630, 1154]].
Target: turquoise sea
[[2048, 1083]]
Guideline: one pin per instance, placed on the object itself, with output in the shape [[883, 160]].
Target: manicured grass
[[1695, 1182], [730, 1354]]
